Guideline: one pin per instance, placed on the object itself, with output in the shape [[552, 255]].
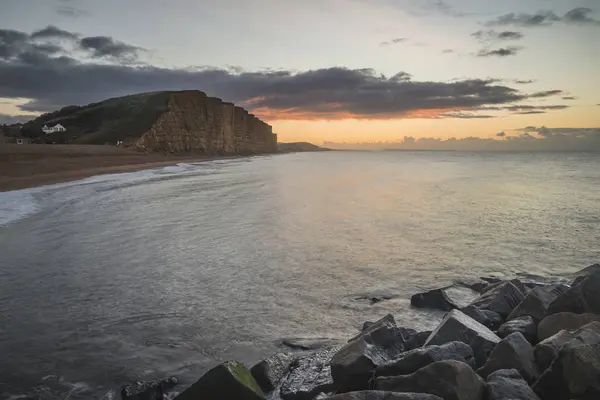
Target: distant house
[[56, 128], [23, 140]]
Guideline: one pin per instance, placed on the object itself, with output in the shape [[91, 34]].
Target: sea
[[167, 272]]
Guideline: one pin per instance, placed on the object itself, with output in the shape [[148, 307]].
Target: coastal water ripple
[[163, 272]]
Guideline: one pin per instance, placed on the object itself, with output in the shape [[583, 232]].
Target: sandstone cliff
[[174, 122]]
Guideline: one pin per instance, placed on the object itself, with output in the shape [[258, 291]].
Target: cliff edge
[[172, 122]]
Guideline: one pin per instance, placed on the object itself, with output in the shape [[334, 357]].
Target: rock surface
[[507, 384], [456, 326], [411, 361], [230, 380], [525, 325], [271, 370], [501, 299], [153, 390], [583, 296], [417, 340], [536, 302], [513, 352], [575, 374], [380, 395], [585, 273], [353, 365], [445, 299], [567, 321], [481, 317], [309, 375], [450, 380], [310, 343]]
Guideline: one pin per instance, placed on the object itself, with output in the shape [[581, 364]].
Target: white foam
[[15, 205]]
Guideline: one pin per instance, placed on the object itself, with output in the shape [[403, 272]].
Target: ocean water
[[137, 276]]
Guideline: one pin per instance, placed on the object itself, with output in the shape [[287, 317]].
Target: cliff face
[[193, 122]]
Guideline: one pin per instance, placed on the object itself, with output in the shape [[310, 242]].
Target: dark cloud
[[52, 81], [69, 8], [6, 119], [569, 98], [521, 107], [492, 35], [394, 41], [547, 93], [530, 112], [578, 16], [105, 46], [501, 134], [53, 32], [11, 42], [465, 116], [502, 52], [524, 82]]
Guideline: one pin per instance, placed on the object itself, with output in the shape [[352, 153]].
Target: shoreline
[[30, 166]]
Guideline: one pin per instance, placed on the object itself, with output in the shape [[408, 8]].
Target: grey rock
[[583, 296], [309, 375], [417, 340], [575, 374], [271, 370], [513, 352], [555, 323], [445, 299], [488, 318], [524, 325], [547, 351], [353, 365], [585, 273], [502, 299], [456, 326], [495, 319], [477, 285], [516, 282], [298, 343], [451, 380], [507, 384], [536, 302], [152, 390], [230, 380], [411, 361], [380, 395]]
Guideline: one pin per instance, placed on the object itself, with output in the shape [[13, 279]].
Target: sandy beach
[[24, 166]]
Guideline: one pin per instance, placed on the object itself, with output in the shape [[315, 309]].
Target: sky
[[334, 71]]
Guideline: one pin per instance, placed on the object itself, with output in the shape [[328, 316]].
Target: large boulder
[[380, 395], [230, 380], [536, 302], [458, 327], [585, 273], [583, 296], [353, 365], [555, 323], [309, 375], [417, 340], [524, 325], [507, 384], [516, 282], [545, 352], [513, 352], [488, 318], [502, 298], [451, 380], [575, 374], [411, 361], [152, 390], [445, 299], [270, 371]]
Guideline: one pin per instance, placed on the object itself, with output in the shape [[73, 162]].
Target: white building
[[56, 128]]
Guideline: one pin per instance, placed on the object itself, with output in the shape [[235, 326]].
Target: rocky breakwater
[[517, 340], [194, 122]]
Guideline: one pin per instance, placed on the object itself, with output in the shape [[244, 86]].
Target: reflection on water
[[167, 272]]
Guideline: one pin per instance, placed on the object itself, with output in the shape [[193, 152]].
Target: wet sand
[[24, 166]]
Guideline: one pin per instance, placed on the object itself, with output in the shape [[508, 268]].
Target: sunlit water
[[167, 272]]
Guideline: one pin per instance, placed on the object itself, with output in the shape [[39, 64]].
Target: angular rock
[[450, 380], [456, 326], [524, 325], [516, 282], [490, 319], [546, 351], [555, 323], [585, 273], [513, 352], [583, 297], [153, 390], [502, 299], [417, 340], [477, 285], [271, 370], [380, 395], [575, 374], [445, 299], [309, 375], [353, 365], [536, 302], [411, 361], [230, 380], [507, 384]]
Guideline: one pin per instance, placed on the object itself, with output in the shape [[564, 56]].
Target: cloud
[[492, 35], [460, 115], [547, 93], [524, 82], [55, 80], [502, 52], [530, 112], [393, 41], [53, 32], [577, 16], [501, 134], [569, 98], [447, 51], [6, 119], [104, 46], [66, 8]]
